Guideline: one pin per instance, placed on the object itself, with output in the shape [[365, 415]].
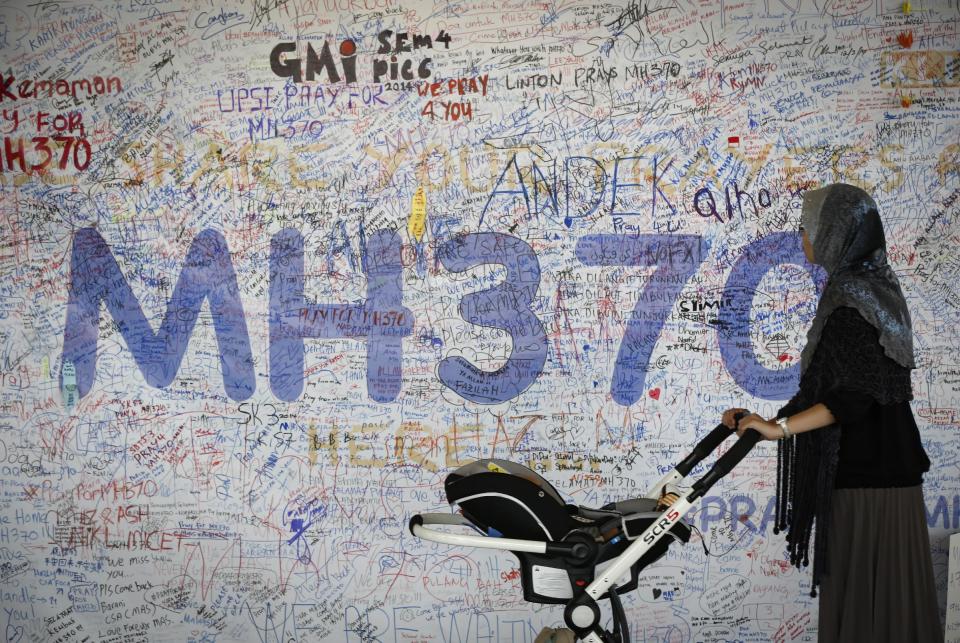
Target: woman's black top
[[868, 393]]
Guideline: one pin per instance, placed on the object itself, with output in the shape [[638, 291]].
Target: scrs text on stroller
[[571, 554]]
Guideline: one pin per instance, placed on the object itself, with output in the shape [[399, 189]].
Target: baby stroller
[[570, 554]]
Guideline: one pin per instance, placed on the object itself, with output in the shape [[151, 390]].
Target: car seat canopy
[[507, 499]]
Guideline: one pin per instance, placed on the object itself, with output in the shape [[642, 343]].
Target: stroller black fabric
[[506, 499]]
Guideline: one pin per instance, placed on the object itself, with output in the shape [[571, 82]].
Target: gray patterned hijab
[[846, 233]]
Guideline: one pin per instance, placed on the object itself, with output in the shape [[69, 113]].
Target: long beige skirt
[[879, 586]]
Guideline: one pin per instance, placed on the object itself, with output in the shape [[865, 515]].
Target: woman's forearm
[[815, 417]]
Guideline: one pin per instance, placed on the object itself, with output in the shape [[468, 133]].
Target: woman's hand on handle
[[729, 418]]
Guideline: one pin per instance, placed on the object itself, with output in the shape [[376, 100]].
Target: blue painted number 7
[[676, 258]]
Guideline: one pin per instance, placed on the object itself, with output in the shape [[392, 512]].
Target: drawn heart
[[655, 393]]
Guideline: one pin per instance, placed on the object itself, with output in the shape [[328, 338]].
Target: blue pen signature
[[215, 23]]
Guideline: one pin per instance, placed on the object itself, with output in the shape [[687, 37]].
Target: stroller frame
[[582, 613]]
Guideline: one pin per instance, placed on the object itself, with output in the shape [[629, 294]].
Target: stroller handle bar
[[704, 448], [726, 462], [419, 528]]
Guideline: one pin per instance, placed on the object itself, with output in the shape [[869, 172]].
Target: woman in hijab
[[850, 457]]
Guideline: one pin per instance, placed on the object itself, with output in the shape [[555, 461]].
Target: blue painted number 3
[[506, 306]]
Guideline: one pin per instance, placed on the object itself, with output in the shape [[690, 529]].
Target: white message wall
[[272, 268]]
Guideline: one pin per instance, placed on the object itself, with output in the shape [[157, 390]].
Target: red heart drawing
[[655, 393]]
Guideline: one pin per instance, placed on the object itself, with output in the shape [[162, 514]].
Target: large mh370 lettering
[[382, 321]]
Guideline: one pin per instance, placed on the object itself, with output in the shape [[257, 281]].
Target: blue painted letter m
[[207, 273]]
